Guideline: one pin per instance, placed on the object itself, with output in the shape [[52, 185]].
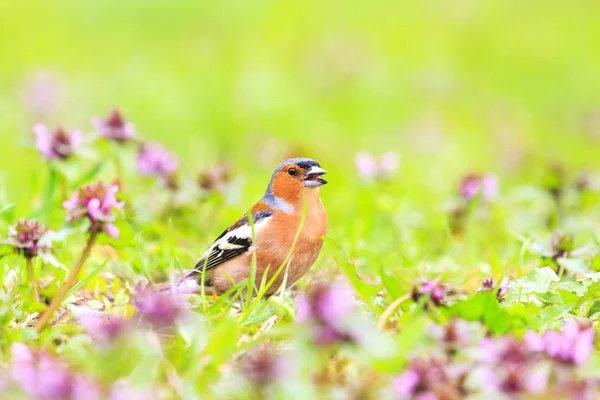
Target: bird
[[289, 221]]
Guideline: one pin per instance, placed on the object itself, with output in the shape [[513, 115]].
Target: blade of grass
[[85, 280]]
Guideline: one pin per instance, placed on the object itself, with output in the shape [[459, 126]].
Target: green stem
[[32, 281], [387, 314], [64, 289]]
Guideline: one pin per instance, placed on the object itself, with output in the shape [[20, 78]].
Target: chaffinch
[[276, 218]]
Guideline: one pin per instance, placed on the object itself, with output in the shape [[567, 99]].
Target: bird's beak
[[313, 177]]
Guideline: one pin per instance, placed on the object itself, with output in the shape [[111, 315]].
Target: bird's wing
[[235, 240]]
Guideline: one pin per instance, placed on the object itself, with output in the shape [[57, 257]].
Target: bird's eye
[[292, 171]]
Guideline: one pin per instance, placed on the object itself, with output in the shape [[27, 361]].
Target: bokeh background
[[452, 86]]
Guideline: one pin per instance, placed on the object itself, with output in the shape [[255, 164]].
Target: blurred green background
[[453, 86]]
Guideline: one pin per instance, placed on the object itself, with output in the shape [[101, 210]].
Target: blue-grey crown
[[305, 163]]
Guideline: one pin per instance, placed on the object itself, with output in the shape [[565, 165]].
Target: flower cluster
[[159, 309], [489, 285], [371, 168], [431, 378], [98, 203], [43, 377], [56, 145], [486, 186], [503, 366], [436, 291], [155, 160], [573, 345], [264, 367], [103, 328], [508, 366], [29, 238], [115, 127], [327, 309]]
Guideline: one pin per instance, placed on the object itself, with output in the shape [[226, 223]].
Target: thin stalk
[[387, 314], [64, 289], [32, 281]]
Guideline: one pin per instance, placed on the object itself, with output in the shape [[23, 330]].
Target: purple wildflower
[[264, 367], [573, 345], [105, 329], [406, 384], [98, 203], [155, 160], [371, 168], [431, 378], [484, 185], [328, 308], [43, 377], [29, 238], [490, 285], [56, 145], [115, 127], [437, 291], [160, 309], [510, 367]]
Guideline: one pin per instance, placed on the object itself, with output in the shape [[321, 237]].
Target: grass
[[508, 89]]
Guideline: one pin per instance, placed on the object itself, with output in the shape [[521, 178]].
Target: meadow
[[462, 144]]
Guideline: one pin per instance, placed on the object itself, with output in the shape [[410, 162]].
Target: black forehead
[[304, 163]]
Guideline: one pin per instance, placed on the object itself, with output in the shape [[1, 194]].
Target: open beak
[[313, 177]]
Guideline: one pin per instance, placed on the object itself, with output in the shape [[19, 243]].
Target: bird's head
[[295, 177]]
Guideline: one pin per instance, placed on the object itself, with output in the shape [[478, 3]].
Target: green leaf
[[89, 175], [576, 265], [365, 291], [537, 280], [483, 307], [259, 313], [391, 282], [576, 288], [595, 308], [549, 314], [223, 339], [7, 207], [85, 280]]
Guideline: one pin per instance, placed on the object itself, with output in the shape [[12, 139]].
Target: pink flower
[[57, 145], [105, 329], [43, 377], [509, 366], [573, 345], [160, 309], [98, 203], [371, 168], [265, 367], [29, 238], [327, 309], [115, 127], [406, 384], [155, 160], [427, 378], [485, 185], [437, 291]]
